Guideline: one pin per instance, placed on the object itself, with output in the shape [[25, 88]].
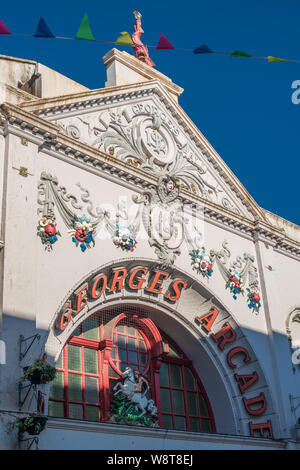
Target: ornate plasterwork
[[145, 135], [46, 134]]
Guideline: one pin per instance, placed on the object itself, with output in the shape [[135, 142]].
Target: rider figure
[[138, 388]]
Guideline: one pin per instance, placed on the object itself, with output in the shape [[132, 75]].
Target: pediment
[[143, 126]]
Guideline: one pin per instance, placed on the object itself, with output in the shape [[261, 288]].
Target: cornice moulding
[[139, 431]]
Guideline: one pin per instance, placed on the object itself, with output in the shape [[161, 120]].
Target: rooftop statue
[[141, 51]]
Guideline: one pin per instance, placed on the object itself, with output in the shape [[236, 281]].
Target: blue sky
[[242, 106]]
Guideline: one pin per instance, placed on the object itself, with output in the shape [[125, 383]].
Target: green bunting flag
[[125, 39], [240, 54], [84, 31]]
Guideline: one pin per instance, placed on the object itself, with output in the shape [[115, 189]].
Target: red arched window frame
[[138, 330]]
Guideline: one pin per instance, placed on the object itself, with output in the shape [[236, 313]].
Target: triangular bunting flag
[[275, 59], [43, 30], [240, 54], [164, 43], [125, 39], [4, 29], [84, 31], [204, 49]]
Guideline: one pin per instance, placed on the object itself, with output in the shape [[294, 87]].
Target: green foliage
[[40, 372], [125, 411], [32, 424]]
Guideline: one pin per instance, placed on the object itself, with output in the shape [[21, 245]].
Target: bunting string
[[84, 33]]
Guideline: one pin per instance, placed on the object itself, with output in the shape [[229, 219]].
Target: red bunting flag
[[4, 29], [164, 43]]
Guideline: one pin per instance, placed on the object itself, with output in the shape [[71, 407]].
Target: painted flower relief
[[82, 232], [201, 262], [125, 238], [235, 283], [253, 300], [48, 233]]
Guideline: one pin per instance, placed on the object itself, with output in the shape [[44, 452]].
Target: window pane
[[113, 353], [74, 357], [206, 426], [75, 411], [122, 354], [178, 401], [142, 346], [91, 389], [121, 341], [192, 401], [180, 423], [143, 359], [75, 389], [131, 330], [57, 386], [56, 408], [122, 366], [92, 413], [132, 356], [112, 373], [176, 378], [189, 379], [91, 361], [194, 424], [121, 328], [91, 329], [132, 343], [203, 407], [60, 361], [164, 374], [167, 421], [165, 399]]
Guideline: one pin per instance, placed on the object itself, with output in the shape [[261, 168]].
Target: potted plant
[[33, 424], [40, 372]]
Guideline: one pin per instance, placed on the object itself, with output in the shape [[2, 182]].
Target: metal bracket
[[21, 387], [294, 407], [31, 441], [23, 340]]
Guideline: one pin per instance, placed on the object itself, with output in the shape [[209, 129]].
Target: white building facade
[[127, 242]]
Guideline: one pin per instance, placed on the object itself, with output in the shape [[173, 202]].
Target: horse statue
[[132, 390]]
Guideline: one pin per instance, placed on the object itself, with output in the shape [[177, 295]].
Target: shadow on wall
[[23, 344], [238, 388]]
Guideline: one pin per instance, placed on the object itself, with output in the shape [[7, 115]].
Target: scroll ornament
[[82, 228], [235, 273]]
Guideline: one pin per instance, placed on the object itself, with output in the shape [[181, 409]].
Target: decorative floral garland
[[81, 232], [253, 300], [201, 262], [125, 238], [47, 231], [235, 283]]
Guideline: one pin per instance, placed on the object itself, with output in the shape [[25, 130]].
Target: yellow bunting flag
[[275, 59], [125, 39]]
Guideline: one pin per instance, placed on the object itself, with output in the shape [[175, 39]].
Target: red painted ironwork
[[139, 336]]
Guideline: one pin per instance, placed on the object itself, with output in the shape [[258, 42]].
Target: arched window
[[100, 350]]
